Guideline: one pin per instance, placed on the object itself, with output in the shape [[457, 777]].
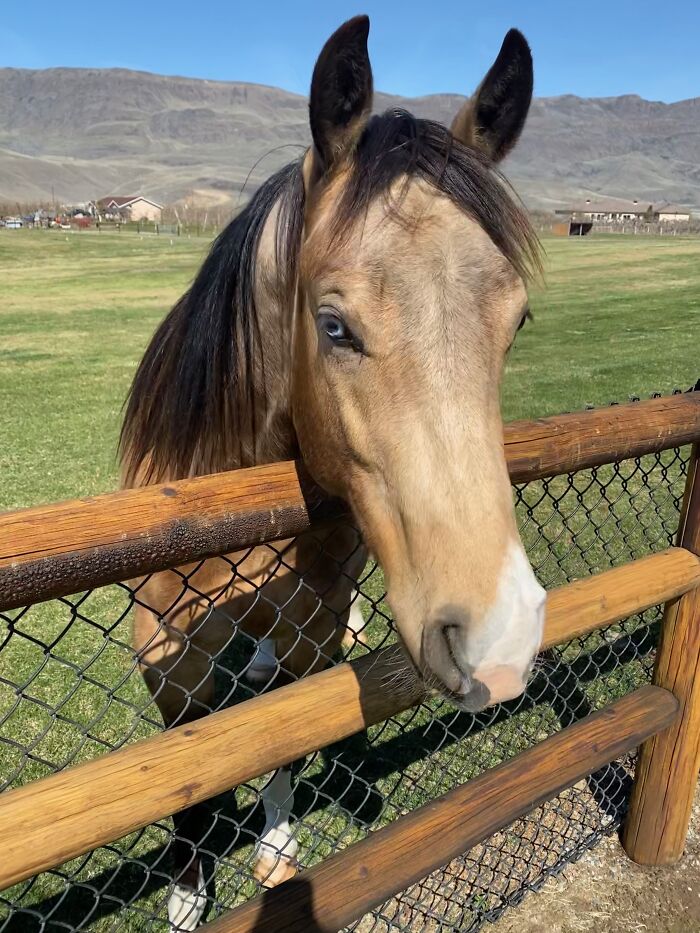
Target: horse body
[[356, 314], [298, 594], [294, 603]]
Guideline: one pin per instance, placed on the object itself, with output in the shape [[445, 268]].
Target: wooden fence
[[60, 549]]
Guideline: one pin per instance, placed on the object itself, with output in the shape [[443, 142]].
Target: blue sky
[[592, 48]]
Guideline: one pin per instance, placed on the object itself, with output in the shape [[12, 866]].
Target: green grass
[[77, 311], [619, 316]]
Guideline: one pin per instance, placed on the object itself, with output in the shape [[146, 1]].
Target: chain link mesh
[[70, 689]]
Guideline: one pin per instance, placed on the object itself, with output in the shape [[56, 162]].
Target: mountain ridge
[[89, 132]]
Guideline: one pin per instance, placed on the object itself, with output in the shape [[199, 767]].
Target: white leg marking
[[186, 905], [354, 633], [263, 666], [277, 848]]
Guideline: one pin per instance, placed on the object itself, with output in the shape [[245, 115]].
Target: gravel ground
[[607, 893]]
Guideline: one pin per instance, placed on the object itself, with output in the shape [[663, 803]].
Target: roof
[[672, 209], [612, 206], [126, 201], [621, 206]]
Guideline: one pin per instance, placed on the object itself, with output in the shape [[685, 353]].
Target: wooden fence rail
[[158, 776], [345, 886], [61, 549]]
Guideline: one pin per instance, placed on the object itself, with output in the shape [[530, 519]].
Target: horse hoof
[[273, 870], [261, 675], [186, 905]]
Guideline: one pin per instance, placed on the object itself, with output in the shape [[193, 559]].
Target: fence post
[[667, 770]]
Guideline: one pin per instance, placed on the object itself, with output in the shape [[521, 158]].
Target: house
[[618, 210], [672, 213], [608, 210], [133, 207], [572, 228]]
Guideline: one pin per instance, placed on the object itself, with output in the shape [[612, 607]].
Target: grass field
[[618, 316]]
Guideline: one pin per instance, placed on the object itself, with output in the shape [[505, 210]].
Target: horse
[[355, 315]]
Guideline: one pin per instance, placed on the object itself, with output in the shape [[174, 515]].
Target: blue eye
[[332, 326]]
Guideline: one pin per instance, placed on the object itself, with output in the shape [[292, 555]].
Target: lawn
[[76, 313], [618, 316]]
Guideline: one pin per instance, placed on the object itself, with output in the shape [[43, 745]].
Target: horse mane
[[192, 408]]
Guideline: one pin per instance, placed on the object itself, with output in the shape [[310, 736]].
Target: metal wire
[[70, 690]]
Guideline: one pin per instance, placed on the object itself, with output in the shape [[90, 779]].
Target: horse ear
[[341, 93], [494, 117]]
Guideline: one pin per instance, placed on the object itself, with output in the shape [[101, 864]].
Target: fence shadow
[[352, 770]]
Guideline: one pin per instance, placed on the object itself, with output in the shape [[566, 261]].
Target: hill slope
[[91, 132]]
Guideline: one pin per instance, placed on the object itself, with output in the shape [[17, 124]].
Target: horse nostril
[[449, 632], [440, 657], [476, 698], [455, 635]]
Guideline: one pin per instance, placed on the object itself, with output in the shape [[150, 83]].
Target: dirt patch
[[604, 892], [478, 883], [607, 893]]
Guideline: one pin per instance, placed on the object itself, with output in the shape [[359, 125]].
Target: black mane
[[191, 402], [192, 407]]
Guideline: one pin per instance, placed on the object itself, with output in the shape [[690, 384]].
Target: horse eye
[[527, 316], [333, 326]]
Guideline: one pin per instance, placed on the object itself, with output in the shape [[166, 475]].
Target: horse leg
[[263, 665], [187, 900], [277, 848], [180, 678], [354, 630]]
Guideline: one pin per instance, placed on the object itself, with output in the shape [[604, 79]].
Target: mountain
[[87, 133]]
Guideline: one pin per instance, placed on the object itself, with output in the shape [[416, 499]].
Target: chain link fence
[[71, 689]]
